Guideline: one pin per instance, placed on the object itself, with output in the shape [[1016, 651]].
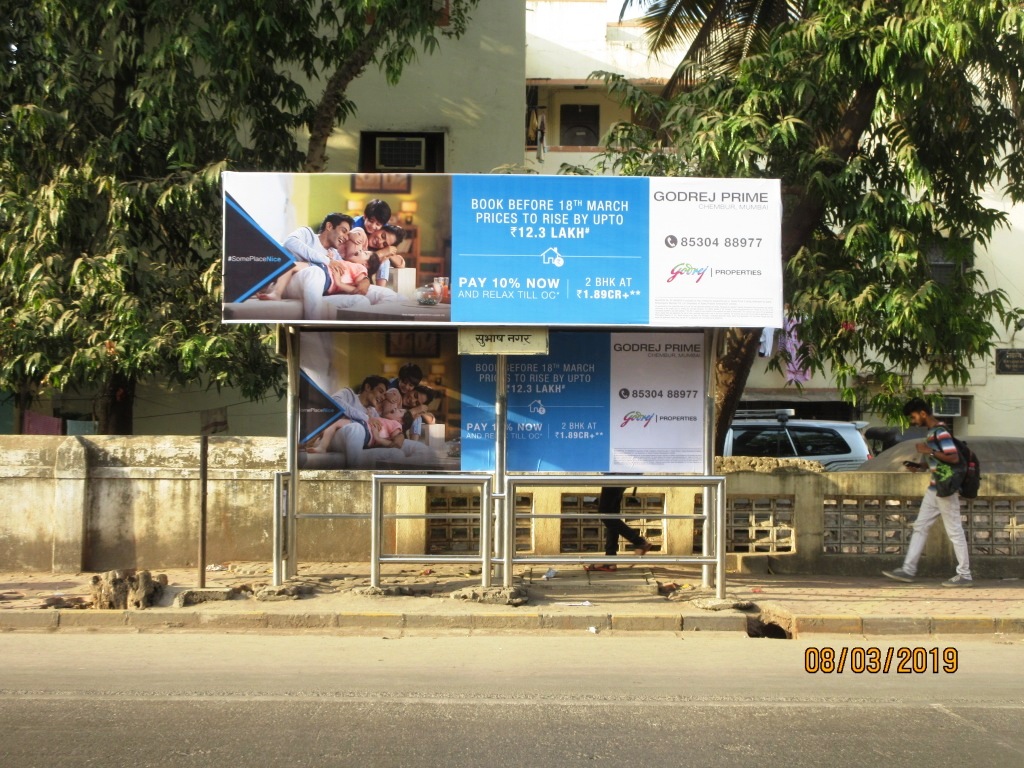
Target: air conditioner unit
[[949, 406], [401, 153]]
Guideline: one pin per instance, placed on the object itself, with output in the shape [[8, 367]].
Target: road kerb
[[963, 625], [836, 625]]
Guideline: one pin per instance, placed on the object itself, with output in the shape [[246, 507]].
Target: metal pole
[[280, 504], [501, 506], [291, 562], [376, 524], [711, 339], [720, 541], [204, 444], [486, 538]]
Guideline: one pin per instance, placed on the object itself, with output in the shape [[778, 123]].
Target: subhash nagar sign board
[[555, 251]]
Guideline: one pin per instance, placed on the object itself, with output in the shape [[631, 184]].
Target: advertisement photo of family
[[362, 407], [328, 248]]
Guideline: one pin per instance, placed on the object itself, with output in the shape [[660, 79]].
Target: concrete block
[[1014, 626], [24, 619], [371, 620], [512, 621], [93, 619], [426, 621], [643, 622], [963, 625], [896, 625], [230, 621], [302, 620], [574, 622], [162, 619], [715, 623], [838, 625]]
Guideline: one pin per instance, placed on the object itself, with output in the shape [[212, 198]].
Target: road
[[707, 699]]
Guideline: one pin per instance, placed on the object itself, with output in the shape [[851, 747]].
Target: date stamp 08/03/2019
[[902, 660]]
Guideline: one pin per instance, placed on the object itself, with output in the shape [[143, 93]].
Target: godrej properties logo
[[685, 269], [635, 417]]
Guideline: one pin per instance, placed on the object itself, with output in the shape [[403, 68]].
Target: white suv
[[839, 445]]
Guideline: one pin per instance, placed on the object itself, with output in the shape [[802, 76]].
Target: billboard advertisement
[[598, 401], [429, 250]]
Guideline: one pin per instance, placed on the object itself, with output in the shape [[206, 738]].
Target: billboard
[[629, 401], [556, 251]]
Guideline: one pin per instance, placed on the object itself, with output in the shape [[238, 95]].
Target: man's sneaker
[[959, 581], [898, 575]]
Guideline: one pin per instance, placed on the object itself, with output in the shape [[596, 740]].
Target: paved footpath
[[334, 597]]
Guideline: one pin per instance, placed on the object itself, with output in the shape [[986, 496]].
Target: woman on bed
[[384, 255]]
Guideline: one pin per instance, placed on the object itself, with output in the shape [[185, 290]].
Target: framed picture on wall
[[413, 344], [398, 183]]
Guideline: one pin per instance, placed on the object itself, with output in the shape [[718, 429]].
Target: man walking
[[610, 503], [941, 454]]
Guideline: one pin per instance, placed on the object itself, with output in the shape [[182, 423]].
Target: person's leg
[[610, 503], [350, 439], [323, 443], [279, 287], [926, 516], [614, 527], [307, 284], [949, 508], [329, 305]]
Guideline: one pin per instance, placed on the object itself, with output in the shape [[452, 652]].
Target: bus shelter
[[569, 325]]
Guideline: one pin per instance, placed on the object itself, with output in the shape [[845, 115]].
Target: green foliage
[[886, 122], [116, 121]]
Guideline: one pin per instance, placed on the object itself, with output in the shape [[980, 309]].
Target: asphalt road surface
[[559, 700]]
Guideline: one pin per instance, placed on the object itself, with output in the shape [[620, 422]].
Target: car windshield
[[761, 441], [818, 442]]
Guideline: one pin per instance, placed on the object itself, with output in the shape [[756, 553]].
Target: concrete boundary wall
[[71, 504]]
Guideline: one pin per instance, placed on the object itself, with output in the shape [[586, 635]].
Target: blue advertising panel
[[598, 402], [550, 250]]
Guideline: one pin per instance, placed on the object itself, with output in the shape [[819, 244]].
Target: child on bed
[[389, 430], [355, 247], [342, 275]]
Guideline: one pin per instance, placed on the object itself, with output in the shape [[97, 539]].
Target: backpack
[[972, 477]]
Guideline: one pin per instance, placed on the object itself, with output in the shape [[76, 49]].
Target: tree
[[117, 120], [886, 121]]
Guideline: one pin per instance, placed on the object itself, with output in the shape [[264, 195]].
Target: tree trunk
[[322, 125], [22, 400], [804, 216], [732, 368], [116, 406], [798, 224]]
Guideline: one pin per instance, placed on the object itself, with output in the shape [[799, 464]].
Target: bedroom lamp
[[390, 370], [355, 206], [437, 372], [409, 207]]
